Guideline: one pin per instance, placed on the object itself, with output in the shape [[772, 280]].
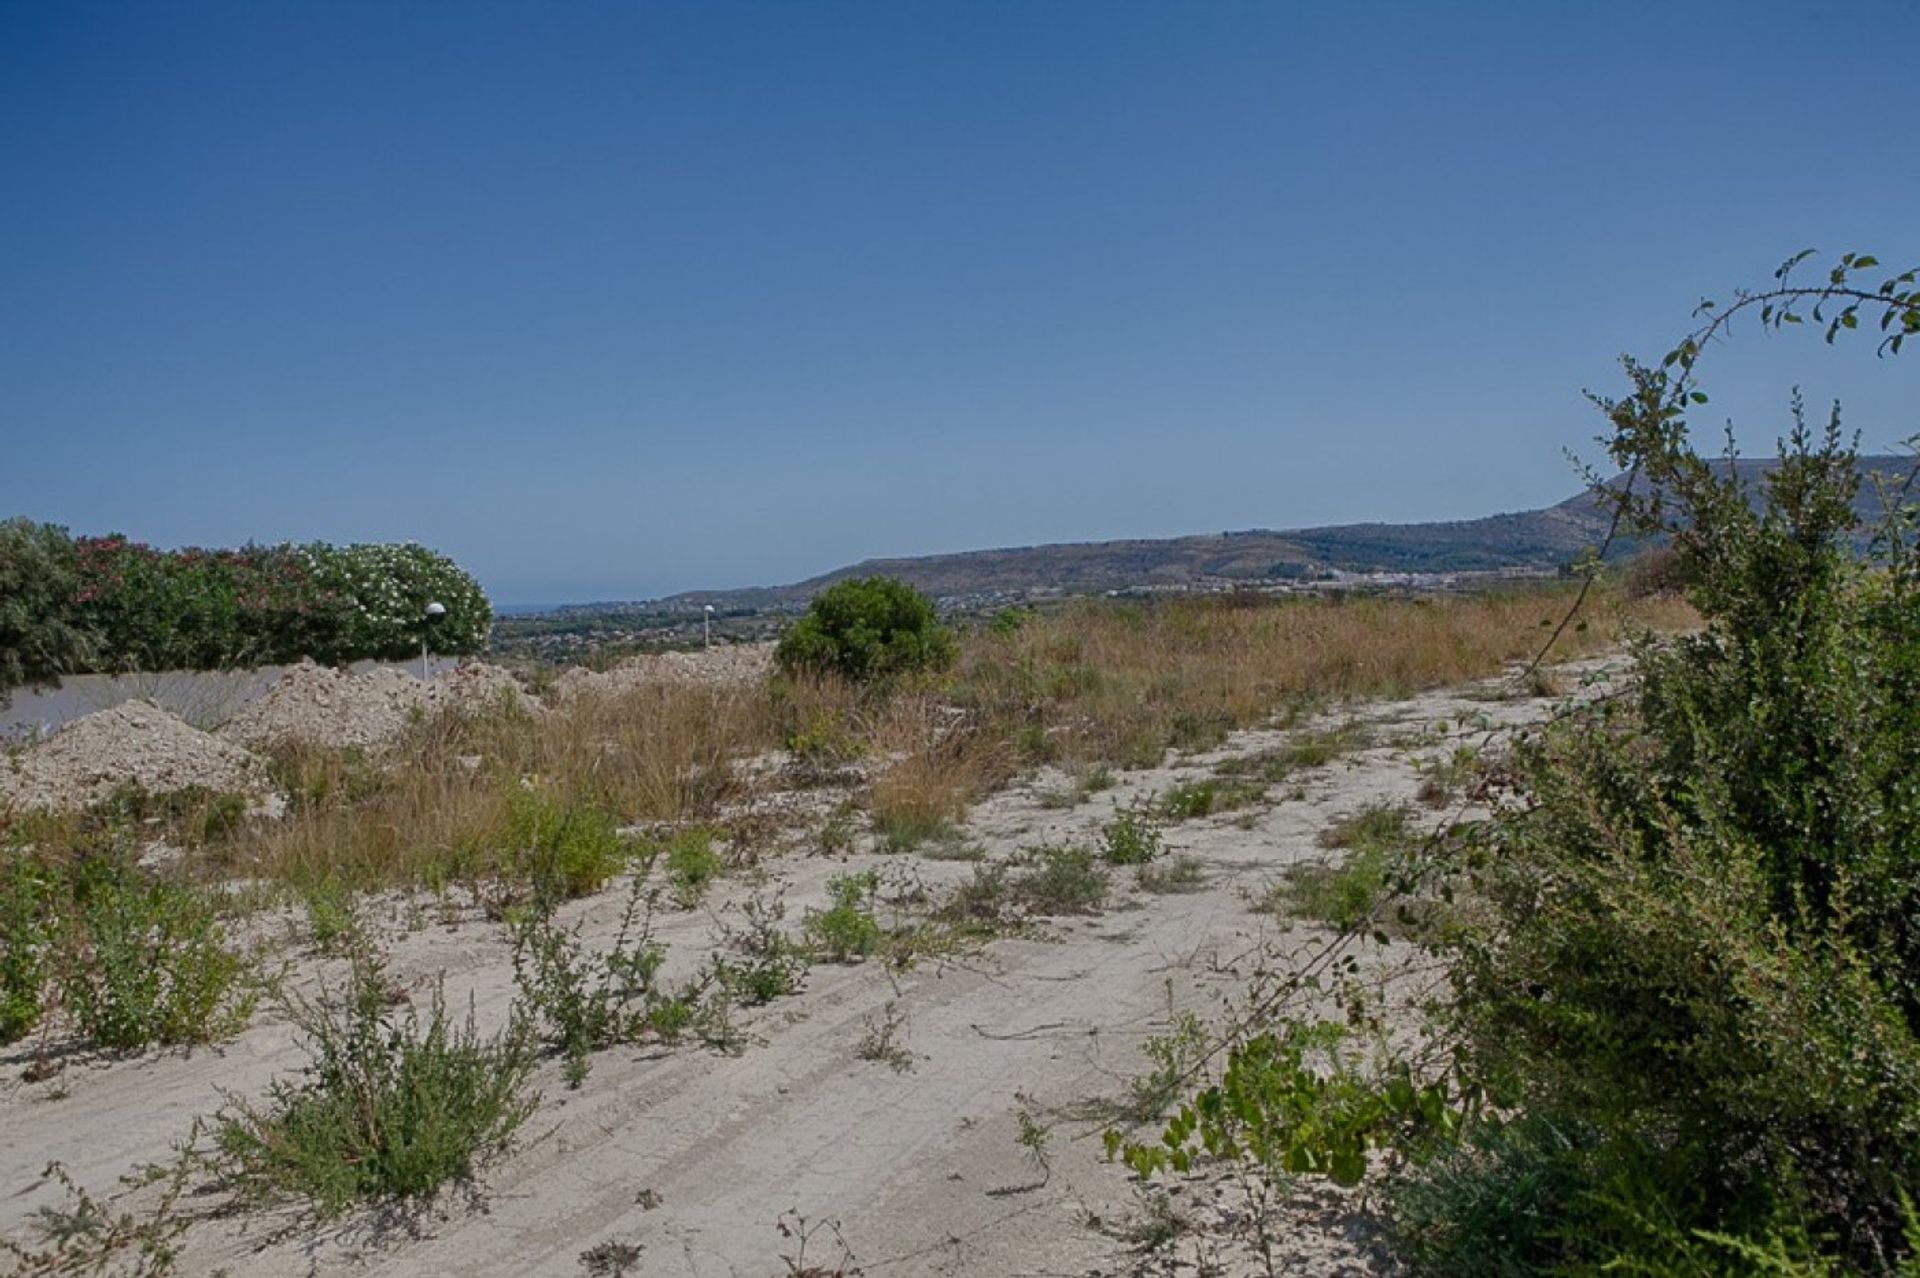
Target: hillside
[[1537, 540], [1528, 541]]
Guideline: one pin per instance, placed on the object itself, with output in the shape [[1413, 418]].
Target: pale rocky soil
[[727, 664], [139, 744], [136, 743], [322, 706], [693, 1157]]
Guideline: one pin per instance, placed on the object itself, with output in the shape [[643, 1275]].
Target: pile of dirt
[[478, 687], [319, 705], [135, 744], [733, 665]]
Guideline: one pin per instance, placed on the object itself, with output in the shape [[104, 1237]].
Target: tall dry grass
[[1092, 683], [1122, 684], [437, 808]]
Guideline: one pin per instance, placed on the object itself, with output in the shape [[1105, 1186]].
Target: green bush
[[1702, 955], [29, 930], [145, 962], [564, 849], [39, 577], [864, 629], [70, 605], [390, 1107], [690, 864]]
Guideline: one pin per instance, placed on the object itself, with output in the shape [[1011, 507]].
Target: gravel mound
[[735, 665], [476, 688], [135, 743], [318, 705]]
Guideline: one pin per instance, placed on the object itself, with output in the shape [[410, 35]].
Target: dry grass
[[649, 755], [1123, 684], [1091, 685]]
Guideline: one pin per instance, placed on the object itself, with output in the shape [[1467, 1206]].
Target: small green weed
[[1131, 838], [759, 962], [564, 849], [1061, 879], [584, 1001], [690, 865], [1194, 799], [1182, 874], [846, 931]]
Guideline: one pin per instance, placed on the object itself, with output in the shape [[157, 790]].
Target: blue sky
[[610, 300]]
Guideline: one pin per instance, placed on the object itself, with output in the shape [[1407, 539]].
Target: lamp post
[[706, 628], [435, 611]]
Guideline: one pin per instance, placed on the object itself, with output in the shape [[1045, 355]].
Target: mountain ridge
[[1540, 540]]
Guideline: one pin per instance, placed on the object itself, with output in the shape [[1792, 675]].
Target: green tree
[[867, 628]]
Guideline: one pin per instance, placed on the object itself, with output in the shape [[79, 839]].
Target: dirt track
[[693, 1157]]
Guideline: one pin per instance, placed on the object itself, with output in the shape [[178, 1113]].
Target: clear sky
[[611, 300]]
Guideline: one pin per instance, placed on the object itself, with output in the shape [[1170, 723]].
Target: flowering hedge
[[126, 606]]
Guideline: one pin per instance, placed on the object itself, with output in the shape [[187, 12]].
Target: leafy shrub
[[564, 849], [867, 628], [761, 962], [28, 933], [145, 962], [390, 1107], [69, 605], [1276, 1109], [846, 931], [1701, 962], [39, 577], [585, 1001]]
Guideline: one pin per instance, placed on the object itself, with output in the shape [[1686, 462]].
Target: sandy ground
[[693, 1157]]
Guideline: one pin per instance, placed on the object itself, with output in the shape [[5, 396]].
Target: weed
[[610, 1259], [565, 849], [1441, 778], [1192, 799], [332, 921], [1061, 879], [1347, 895], [1131, 838], [846, 931], [804, 1234], [953, 846], [1308, 750], [586, 1002], [759, 962], [1182, 874], [89, 1236], [1035, 1139], [1174, 1057], [29, 932], [881, 1041], [690, 864], [389, 1108], [145, 962], [908, 831]]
